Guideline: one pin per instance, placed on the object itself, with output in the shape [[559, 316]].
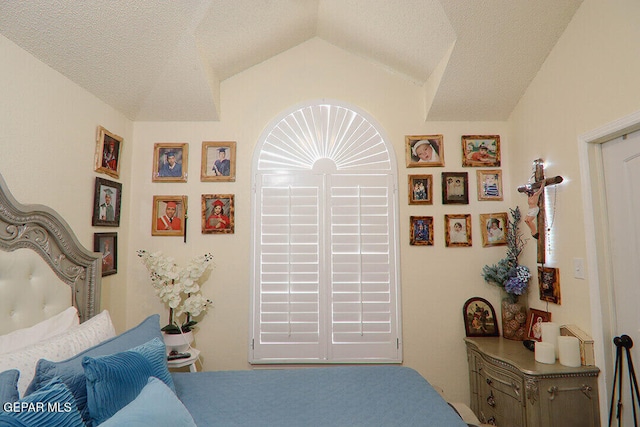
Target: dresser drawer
[[500, 409], [501, 380]]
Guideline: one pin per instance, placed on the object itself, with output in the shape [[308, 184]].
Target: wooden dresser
[[510, 389]]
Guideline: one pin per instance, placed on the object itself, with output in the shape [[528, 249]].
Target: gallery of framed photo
[[108, 150], [421, 231], [218, 161], [170, 162], [107, 245], [455, 188], [494, 229], [107, 198], [457, 230], [489, 184], [549, 284], [420, 189], [424, 150], [535, 318], [218, 213], [481, 150], [168, 215], [479, 318]]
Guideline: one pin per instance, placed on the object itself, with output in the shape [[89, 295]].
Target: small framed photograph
[[168, 215], [107, 198], [489, 184], [535, 318], [424, 150], [218, 213], [494, 229], [457, 230], [420, 189], [170, 162], [107, 245], [108, 150], [421, 231], [218, 161], [479, 318], [455, 188], [549, 283], [481, 150]]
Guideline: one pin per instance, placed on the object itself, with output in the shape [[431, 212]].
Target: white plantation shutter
[[325, 269]]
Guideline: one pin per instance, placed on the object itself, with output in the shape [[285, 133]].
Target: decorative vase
[[514, 320], [177, 342]]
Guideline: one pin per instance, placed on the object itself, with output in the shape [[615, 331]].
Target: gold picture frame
[[170, 162], [489, 184], [420, 189], [218, 161], [481, 150], [494, 228], [169, 213], [218, 214], [108, 152], [424, 150], [421, 231], [457, 230]]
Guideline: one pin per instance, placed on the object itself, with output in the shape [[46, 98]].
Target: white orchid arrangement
[[178, 287]]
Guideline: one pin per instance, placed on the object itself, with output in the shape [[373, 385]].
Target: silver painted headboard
[[41, 229]]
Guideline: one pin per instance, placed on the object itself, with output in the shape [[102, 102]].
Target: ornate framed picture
[[481, 150], [534, 320], [479, 318], [457, 230], [168, 215], [218, 161], [420, 189], [489, 184], [170, 162], [424, 150], [494, 229], [107, 199], [108, 151], [549, 283], [218, 213], [107, 245], [421, 231], [455, 188]]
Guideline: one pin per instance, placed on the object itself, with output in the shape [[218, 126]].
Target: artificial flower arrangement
[[507, 273], [178, 287]]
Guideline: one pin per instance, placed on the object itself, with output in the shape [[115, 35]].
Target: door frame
[[598, 251]]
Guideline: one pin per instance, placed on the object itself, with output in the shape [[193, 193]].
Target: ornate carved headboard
[[63, 273]]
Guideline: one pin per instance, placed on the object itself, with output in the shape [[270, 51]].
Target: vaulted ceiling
[[164, 60]]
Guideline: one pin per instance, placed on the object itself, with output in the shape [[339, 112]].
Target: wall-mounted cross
[[535, 217]]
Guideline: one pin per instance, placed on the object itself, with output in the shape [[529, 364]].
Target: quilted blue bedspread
[[335, 396]]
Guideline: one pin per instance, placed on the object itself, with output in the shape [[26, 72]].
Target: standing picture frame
[[481, 150], [218, 214], [424, 150], [421, 231], [489, 184], [549, 284], [107, 245], [457, 230], [420, 189], [455, 188], [534, 319], [108, 152], [170, 162], [218, 161], [494, 229], [107, 198], [479, 318], [169, 213]]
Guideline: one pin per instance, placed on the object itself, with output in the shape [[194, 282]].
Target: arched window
[[325, 248]]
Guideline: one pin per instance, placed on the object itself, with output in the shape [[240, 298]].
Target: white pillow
[[51, 327], [61, 347]]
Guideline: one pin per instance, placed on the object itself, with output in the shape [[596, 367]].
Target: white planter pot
[[177, 342]]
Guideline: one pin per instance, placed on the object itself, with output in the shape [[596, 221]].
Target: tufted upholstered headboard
[[43, 267]]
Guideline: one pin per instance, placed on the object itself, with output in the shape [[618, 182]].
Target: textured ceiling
[[164, 60]]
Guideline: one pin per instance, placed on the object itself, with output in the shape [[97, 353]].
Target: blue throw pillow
[[156, 405], [71, 372], [9, 386], [52, 405], [114, 381]]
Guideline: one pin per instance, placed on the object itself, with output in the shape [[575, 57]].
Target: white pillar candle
[[550, 334], [569, 349], [545, 352]]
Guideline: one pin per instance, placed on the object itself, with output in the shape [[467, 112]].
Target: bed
[[61, 362]]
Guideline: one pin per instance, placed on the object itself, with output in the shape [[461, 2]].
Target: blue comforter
[[335, 396]]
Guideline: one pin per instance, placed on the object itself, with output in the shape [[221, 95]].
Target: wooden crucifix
[[535, 217]]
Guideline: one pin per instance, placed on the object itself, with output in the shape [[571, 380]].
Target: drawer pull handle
[[554, 390], [492, 421], [491, 401], [489, 381]]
